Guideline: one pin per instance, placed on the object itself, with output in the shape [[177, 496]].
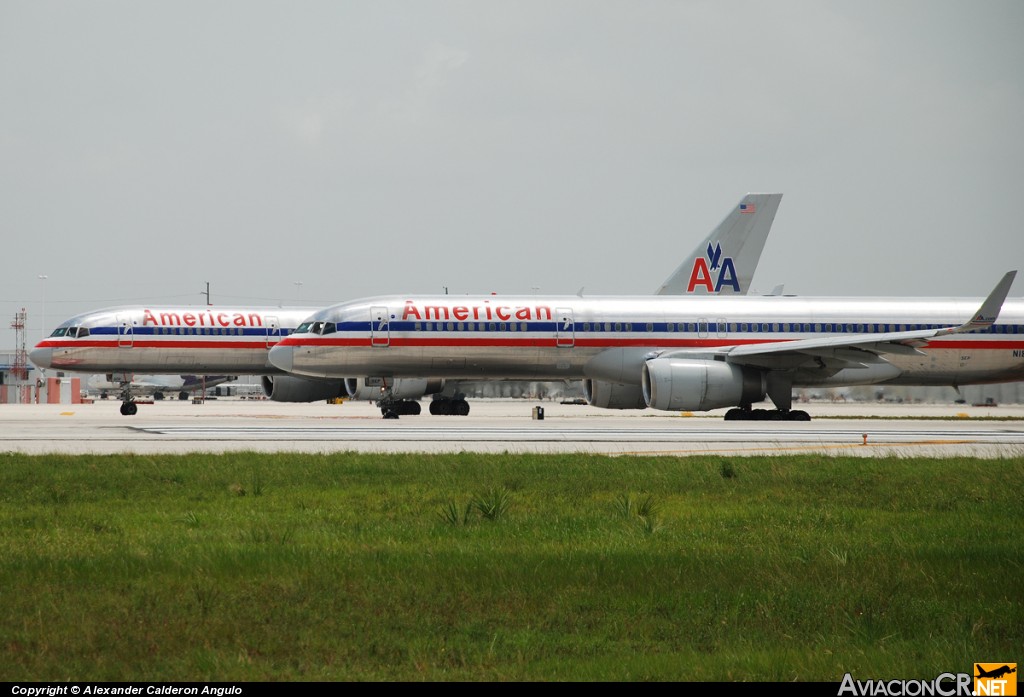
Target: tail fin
[[724, 263]]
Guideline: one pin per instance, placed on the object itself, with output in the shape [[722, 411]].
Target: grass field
[[473, 567]]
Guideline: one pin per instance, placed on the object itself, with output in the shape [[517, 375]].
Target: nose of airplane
[[281, 357], [41, 357]]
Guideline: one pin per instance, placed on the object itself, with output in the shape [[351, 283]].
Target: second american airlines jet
[[236, 340], [670, 352]]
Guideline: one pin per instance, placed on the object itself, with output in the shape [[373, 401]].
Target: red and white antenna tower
[[19, 370]]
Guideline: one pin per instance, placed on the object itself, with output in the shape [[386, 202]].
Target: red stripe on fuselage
[[155, 344]]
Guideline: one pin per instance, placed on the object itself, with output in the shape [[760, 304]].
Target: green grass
[[250, 567]]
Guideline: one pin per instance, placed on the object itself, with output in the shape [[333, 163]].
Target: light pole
[[42, 320]]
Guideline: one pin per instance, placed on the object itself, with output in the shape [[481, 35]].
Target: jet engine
[[372, 389], [288, 388], [613, 395], [676, 384]]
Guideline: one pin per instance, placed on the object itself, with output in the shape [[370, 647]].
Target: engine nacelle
[[679, 384], [288, 388], [613, 395], [371, 389]]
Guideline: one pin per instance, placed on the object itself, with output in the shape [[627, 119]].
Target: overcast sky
[[315, 152]]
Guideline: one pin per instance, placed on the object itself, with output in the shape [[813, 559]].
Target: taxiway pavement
[[862, 429]]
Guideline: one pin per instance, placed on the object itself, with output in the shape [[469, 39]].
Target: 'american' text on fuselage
[[475, 312], [202, 319]]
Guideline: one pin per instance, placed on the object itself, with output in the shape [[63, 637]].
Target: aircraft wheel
[[129, 408], [183, 396], [799, 415], [158, 396], [415, 408], [734, 415], [460, 407], [439, 407], [389, 414]]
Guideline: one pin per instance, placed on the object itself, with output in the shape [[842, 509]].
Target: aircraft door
[[273, 331], [565, 329], [380, 330], [125, 331]]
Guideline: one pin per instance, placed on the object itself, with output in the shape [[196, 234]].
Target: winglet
[[986, 315]]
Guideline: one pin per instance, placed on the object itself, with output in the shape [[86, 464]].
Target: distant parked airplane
[[157, 385]]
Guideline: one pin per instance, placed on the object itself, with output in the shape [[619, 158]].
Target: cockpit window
[[329, 328], [59, 331], [302, 328]]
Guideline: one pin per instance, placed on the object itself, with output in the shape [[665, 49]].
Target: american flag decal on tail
[[747, 208]]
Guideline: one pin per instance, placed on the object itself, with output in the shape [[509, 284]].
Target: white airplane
[[166, 341], [669, 352], [236, 341], [157, 385]]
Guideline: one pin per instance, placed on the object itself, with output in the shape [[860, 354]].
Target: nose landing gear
[[128, 405]]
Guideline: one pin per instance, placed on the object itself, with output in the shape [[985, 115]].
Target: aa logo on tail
[[995, 679], [714, 272]]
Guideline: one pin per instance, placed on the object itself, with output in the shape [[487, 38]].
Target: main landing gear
[[445, 406], [780, 391], [449, 407], [748, 414]]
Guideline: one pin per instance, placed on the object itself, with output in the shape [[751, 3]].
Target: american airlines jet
[[157, 385], [669, 352], [236, 340]]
